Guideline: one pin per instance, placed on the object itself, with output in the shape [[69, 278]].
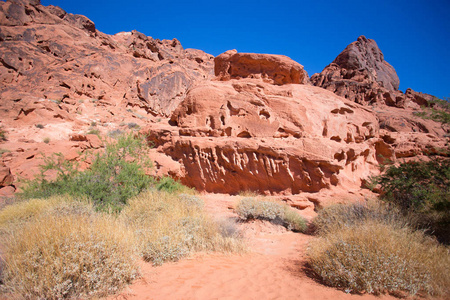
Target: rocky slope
[[236, 122]]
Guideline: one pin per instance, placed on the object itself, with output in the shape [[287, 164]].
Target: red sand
[[273, 269]]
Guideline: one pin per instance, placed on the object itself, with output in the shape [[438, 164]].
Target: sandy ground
[[274, 268]]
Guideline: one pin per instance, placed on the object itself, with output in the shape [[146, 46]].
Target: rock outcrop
[[249, 135], [360, 73], [50, 54], [276, 69], [257, 125]]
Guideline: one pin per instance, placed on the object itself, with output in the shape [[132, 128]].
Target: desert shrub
[[4, 151], [115, 175], [376, 258], [40, 126], [253, 208], [133, 125], [349, 215], [438, 111], [13, 216], [2, 134], [93, 131], [421, 188], [54, 249], [170, 226], [46, 140], [170, 185], [115, 133]]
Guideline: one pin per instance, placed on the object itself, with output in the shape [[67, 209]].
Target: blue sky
[[413, 35]]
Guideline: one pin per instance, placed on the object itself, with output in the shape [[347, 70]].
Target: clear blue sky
[[413, 35]]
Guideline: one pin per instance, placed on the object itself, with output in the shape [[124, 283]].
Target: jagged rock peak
[[360, 73], [276, 69], [364, 54]]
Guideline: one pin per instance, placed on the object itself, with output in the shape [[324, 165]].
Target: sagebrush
[[373, 250], [170, 226], [253, 208], [57, 248]]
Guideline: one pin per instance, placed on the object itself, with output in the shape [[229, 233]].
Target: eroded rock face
[[248, 135], [67, 58], [361, 74], [276, 69], [365, 56], [256, 126]]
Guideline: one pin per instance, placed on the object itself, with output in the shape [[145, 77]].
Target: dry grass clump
[[375, 253], [169, 226], [253, 208], [343, 216], [13, 216], [63, 249]]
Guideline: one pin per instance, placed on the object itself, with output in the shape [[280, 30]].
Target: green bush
[[2, 134], [369, 247], [251, 208], [170, 185], [438, 111], [421, 188], [116, 174]]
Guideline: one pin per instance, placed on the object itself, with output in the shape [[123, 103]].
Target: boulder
[[6, 178], [276, 69]]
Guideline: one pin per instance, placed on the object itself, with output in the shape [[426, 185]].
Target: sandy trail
[[273, 269]]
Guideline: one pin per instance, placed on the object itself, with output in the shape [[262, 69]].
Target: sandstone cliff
[[240, 121]]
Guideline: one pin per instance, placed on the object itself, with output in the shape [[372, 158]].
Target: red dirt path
[[272, 269]]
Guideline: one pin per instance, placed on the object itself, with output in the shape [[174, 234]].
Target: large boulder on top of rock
[[276, 69]]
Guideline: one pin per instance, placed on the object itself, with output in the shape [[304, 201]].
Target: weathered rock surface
[[360, 73], [277, 69], [258, 125], [249, 135], [50, 54]]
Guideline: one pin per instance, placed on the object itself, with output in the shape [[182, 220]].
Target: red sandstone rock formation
[[250, 135], [257, 126], [361, 74], [277, 69], [50, 54]]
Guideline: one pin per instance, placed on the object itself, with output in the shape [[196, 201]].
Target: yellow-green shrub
[[168, 227], [253, 208], [64, 250], [367, 249]]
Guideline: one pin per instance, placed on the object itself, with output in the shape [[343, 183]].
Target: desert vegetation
[[61, 248], [422, 189], [371, 248], [438, 110], [169, 227], [115, 174], [2, 134], [254, 208], [81, 234]]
